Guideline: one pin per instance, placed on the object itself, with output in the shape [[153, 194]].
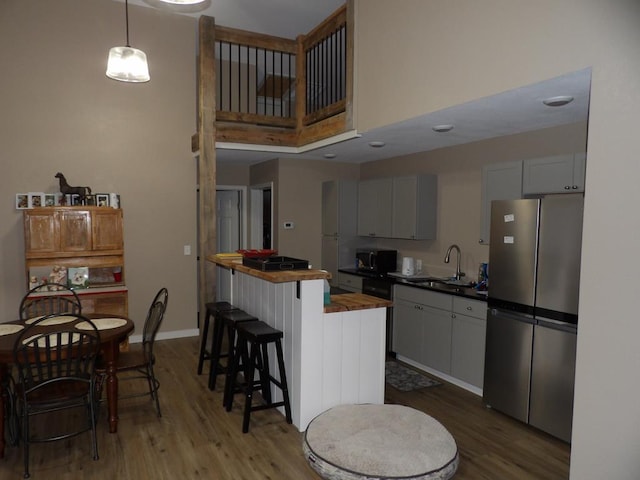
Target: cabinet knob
[[567, 187], [469, 308], [575, 187]]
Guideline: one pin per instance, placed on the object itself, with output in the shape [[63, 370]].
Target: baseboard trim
[[168, 335]]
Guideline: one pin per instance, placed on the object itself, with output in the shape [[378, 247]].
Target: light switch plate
[[187, 249], [288, 225]]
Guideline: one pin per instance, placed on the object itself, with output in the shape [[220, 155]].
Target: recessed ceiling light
[[377, 144], [442, 128], [329, 155], [557, 101]]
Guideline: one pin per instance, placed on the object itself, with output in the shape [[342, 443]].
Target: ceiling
[[282, 18], [515, 111]]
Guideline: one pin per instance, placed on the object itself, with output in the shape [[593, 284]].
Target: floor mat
[[406, 379]]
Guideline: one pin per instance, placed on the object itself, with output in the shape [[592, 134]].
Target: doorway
[[262, 217], [231, 213]]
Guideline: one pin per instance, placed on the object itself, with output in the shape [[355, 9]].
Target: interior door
[[228, 215]]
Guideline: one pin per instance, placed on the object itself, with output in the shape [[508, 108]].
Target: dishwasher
[[382, 287]]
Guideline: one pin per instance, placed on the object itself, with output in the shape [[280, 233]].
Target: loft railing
[[296, 90], [325, 68], [255, 78]]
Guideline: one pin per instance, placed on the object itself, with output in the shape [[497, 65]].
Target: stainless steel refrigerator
[[534, 277]]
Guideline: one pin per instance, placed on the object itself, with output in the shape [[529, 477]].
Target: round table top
[[107, 335]]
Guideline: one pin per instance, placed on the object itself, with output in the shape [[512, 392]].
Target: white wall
[[451, 52]]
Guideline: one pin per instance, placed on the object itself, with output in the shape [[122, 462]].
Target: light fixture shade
[[182, 2], [128, 64]]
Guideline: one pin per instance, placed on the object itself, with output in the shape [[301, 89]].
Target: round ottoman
[[355, 442]]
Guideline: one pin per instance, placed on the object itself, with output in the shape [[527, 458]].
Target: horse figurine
[[66, 189]]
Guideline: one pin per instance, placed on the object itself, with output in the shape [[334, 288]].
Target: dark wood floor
[[196, 438]]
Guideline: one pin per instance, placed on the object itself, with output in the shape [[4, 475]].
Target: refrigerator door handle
[[518, 317], [557, 325]]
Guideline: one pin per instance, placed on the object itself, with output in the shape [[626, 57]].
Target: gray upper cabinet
[[415, 200], [339, 207], [557, 174], [339, 219], [375, 207], [399, 207], [501, 181]]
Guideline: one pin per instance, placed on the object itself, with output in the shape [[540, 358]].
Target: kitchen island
[[334, 354]]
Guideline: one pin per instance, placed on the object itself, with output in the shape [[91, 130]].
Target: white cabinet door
[[556, 174], [374, 207], [502, 181], [408, 330], [414, 207]]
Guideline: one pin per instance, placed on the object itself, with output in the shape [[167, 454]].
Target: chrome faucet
[[459, 274]]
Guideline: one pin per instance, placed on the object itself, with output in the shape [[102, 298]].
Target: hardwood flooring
[[196, 438]]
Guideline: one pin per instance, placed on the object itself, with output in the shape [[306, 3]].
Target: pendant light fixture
[[182, 2], [127, 64]]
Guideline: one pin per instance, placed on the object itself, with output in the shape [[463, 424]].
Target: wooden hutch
[[79, 236]]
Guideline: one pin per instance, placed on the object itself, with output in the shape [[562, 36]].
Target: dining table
[[114, 329]]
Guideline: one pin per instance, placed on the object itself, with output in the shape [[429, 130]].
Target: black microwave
[[378, 261]]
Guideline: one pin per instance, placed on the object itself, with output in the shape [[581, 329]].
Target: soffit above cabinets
[[515, 111]]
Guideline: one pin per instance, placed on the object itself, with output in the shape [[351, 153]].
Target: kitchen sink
[[444, 284]]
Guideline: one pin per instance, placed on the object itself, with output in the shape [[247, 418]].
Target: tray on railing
[[275, 263]]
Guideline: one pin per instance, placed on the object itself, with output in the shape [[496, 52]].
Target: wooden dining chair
[[56, 372], [48, 299], [139, 360]]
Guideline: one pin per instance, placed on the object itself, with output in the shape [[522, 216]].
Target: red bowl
[[257, 253]]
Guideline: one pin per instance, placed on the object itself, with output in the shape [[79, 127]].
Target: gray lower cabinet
[[352, 283], [422, 326], [468, 340], [437, 339], [442, 332], [408, 327]]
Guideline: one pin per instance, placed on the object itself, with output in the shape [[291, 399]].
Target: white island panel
[[330, 358]]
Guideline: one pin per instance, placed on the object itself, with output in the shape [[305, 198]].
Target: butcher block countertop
[[283, 276], [355, 301]]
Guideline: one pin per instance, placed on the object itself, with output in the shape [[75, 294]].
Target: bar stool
[[228, 320], [252, 349], [213, 309]]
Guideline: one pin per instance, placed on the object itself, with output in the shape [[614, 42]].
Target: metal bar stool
[[213, 309], [252, 349]]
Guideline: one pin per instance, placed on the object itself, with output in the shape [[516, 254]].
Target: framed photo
[[50, 199], [78, 277], [75, 199], [22, 201], [36, 199], [90, 200], [102, 199], [114, 200]]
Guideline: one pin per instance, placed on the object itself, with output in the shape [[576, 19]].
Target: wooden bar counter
[[334, 354]]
